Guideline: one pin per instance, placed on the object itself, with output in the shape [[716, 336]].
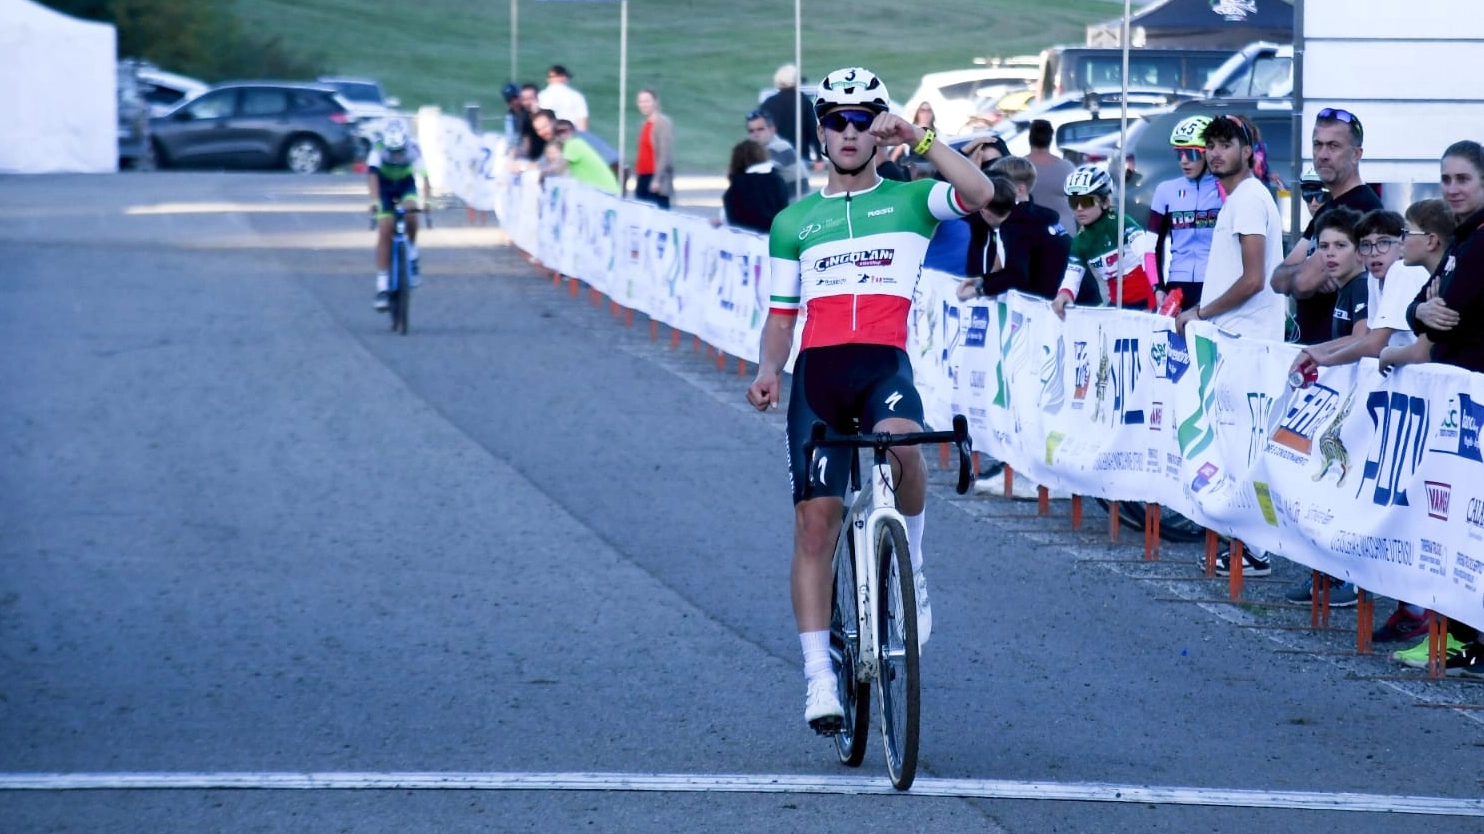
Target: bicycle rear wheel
[[850, 742], [897, 682]]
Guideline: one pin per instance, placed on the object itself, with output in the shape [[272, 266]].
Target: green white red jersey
[[851, 261]]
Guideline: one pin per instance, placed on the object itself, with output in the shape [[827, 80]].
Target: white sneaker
[[822, 708], [1021, 487], [924, 609]]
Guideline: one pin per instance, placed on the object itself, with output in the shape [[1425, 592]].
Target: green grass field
[[706, 58]]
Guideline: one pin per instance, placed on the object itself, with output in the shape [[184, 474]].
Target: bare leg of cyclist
[[816, 527], [383, 260]]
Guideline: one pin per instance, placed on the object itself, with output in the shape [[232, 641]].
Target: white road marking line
[[741, 783]]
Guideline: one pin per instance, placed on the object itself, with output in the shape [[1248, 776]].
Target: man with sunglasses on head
[[1338, 137], [1183, 214], [850, 256]]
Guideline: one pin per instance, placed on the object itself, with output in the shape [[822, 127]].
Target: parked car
[[1073, 69], [1093, 113], [1151, 161], [955, 95], [369, 107], [257, 124], [1258, 70], [161, 91]]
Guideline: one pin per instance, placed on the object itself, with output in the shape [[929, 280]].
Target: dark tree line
[[202, 38]]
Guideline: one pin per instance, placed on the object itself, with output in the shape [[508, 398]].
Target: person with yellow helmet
[[1183, 213]]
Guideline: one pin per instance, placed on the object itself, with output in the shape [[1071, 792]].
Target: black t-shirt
[[1350, 306], [1316, 312]]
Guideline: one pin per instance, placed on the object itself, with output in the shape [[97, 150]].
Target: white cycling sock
[[914, 538], [412, 250], [816, 646], [383, 280]]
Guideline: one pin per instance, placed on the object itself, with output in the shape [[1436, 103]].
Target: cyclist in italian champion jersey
[[1183, 212], [393, 168], [849, 257], [1095, 249]]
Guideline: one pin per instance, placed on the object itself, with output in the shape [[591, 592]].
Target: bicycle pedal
[[830, 725]]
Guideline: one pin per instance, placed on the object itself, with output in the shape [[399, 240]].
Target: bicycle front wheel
[[897, 682], [402, 295], [855, 696]]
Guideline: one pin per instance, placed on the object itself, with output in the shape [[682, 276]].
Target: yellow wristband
[[921, 148]]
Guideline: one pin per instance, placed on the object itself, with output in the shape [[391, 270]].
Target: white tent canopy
[[60, 96]]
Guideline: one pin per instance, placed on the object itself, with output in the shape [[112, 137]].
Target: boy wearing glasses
[[849, 256], [1337, 140]]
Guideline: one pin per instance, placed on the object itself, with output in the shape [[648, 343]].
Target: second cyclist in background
[[1096, 251], [849, 256], [1182, 215], [393, 168]]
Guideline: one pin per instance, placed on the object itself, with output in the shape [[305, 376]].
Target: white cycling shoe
[[822, 708]]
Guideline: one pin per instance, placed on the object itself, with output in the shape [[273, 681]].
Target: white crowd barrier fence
[[1375, 480]]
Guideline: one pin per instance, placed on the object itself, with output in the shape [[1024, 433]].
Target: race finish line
[[721, 783]]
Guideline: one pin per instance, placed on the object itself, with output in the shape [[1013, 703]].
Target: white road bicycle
[[873, 620]]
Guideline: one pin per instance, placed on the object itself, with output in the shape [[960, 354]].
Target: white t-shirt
[[1390, 300], [1249, 210], [565, 102]]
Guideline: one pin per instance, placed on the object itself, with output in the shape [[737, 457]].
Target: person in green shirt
[[568, 155]]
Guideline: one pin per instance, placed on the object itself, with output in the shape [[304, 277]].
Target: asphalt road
[[247, 534]]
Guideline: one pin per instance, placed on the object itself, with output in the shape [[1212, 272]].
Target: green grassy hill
[[706, 58]]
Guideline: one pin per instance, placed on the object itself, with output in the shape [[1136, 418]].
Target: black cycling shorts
[[850, 388]]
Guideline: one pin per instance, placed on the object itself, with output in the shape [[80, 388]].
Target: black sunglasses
[[836, 120], [1313, 193], [1335, 114]]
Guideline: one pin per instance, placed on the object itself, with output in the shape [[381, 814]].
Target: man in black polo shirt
[[1338, 136]]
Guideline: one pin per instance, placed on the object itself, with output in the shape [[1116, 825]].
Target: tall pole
[[623, 92], [1122, 173], [799, 97], [514, 39]]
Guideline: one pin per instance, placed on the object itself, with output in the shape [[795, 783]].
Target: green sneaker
[[1416, 657]]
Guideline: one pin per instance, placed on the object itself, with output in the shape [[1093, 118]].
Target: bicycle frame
[[870, 508]]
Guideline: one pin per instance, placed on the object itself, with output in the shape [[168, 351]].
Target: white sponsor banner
[[1375, 480]]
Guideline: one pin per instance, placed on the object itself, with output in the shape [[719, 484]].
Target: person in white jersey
[[849, 256]]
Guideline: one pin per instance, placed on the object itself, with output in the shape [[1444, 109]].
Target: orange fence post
[[721, 360], [1113, 521], [1234, 565], [1151, 531], [1365, 620], [654, 330], [1211, 544], [943, 456], [674, 338], [556, 279], [696, 343], [741, 367], [1076, 512], [973, 461], [1009, 482], [572, 287], [628, 317], [1043, 500], [1437, 647]]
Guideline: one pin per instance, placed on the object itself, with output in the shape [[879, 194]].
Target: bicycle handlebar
[[881, 441], [427, 214]]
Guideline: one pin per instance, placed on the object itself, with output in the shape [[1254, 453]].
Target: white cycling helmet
[[1088, 179], [851, 87], [394, 135]]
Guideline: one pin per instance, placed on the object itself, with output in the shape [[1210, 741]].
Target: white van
[[1259, 70]]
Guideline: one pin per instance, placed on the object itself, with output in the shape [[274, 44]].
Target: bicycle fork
[[867, 514]]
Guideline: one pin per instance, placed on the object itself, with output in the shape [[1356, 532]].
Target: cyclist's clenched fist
[[763, 393]]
